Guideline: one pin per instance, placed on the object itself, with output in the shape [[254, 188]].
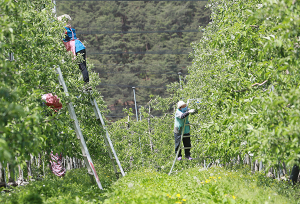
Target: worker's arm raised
[[181, 115]]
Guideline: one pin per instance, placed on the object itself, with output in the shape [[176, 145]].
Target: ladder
[[180, 145], [85, 153]]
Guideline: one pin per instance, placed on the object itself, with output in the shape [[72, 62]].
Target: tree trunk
[[71, 163], [35, 160], [64, 162], [261, 166], [21, 177], [10, 173], [29, 171], [67, 163], [238, 161], [256, 165], [39, 161], [2, 176], [270, 174], [284, 169], [247, 160], [74, 162], [32, 160]]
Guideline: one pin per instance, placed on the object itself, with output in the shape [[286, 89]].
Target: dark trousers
[[186, 143], [82, 66]]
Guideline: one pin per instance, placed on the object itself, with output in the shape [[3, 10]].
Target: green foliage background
[[30, 30], [246, 70]]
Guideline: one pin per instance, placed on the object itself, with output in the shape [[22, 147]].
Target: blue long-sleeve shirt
[[68, 36]]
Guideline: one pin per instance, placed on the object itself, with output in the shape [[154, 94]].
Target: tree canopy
[[32, 34], [246, 72]]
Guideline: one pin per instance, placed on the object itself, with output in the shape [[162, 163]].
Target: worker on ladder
[[181, 115], [75, 46]]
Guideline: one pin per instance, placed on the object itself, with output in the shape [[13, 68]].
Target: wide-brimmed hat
[[180, 103], [65, 16]]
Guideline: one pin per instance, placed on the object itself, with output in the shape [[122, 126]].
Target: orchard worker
[[181, 114], [52, 101], [74, 45], [56, 161]]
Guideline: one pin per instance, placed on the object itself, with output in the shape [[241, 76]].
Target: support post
[[179, 75], [107, 136], [149, 127], [140, 113], [136, 113], [54, 8]]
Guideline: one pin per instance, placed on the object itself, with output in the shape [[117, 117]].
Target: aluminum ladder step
[[185, 147]]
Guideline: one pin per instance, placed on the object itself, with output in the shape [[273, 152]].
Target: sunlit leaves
[[246, 71]]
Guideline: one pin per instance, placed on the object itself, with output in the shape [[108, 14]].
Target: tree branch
[[258, 84]]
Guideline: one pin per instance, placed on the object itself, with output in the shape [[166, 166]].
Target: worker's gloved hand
[[192, 111]]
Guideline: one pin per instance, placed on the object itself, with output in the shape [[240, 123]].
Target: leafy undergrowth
[[74, 187], [195, 185]]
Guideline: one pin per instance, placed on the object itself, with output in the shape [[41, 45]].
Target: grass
[[195, 185], [75, 187]]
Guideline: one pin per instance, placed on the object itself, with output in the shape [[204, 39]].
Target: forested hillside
[[145, 55]]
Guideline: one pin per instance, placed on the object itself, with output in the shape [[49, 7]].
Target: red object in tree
[[52, 101]]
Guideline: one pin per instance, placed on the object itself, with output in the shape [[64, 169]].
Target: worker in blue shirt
[[74, 45]]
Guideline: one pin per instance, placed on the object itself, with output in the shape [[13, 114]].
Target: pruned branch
[[258, 84]]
